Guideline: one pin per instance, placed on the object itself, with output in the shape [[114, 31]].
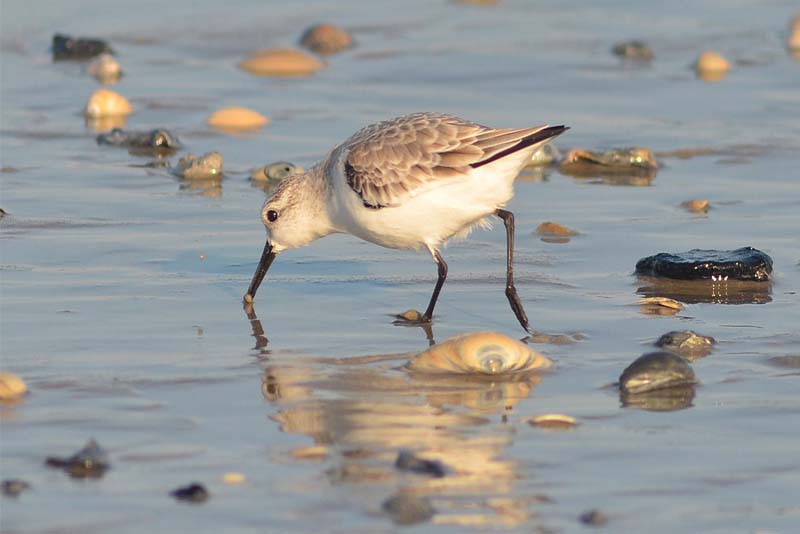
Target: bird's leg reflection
[[258, 330]]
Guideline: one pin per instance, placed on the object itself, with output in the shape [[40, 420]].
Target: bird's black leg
[[511, 291], [426, 318]]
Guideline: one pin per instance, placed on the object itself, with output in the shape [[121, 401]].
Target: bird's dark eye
[[272, 215]]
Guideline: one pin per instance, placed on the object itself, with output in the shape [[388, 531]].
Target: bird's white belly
[[431, 217]]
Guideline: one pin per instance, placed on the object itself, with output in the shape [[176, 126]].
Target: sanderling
[[406, 183]]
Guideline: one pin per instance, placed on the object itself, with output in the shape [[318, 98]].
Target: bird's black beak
[[267, 258]]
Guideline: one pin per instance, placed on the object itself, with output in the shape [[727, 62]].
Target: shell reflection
[[479, 353]]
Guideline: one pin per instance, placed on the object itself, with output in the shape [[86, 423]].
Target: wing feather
[[392, 160]]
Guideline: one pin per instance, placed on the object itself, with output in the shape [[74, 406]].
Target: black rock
[[408, 461], [195, 493], [89, 462], [13, 487], [78, 48], [405, 509], [656, 370], [743, 264]]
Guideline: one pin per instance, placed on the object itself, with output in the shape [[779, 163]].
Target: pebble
[[554, 421], [106, 103], [105, 69], [656, 370], [412, 316], [89, 462], [554, 229], [746, 263], [193, 493], [687, 344], [234, 478], [77, 48], [636, 49], [282, 62], [408, 461], [711, 66], [13, 487], [406, 509], [696, 205], [326, 39], [315, 452], [237, 119], [12, 387], [793, 40]]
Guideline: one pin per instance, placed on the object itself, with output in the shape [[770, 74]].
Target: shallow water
[[121, 285]]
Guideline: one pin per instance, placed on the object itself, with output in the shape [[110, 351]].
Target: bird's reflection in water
[[364, 410]]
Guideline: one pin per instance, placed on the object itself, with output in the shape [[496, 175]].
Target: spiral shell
[[478, 353]]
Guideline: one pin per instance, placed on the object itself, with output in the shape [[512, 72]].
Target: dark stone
[[142, 141], [635, 49], [408, 461], [78, 48], [194, 493], [405, 509], [13, 487], [744, 264], [594, 517], [656, 370], [89, 462]]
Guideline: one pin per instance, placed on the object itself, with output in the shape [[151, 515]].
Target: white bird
[[406, 183]]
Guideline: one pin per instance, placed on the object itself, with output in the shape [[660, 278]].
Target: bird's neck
[[318, 203]]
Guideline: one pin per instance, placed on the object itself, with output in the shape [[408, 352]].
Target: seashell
[[105, 103], [312, 452], [234, 478], [284, 62], [193, 167], [478, 353], [105, 68], [326, 39], [554, 229], [711, 67], [793, 41], [544, 156], [696, 205], [237, 119], [275, 171], [555, 421], [12, 387], [411, 315]]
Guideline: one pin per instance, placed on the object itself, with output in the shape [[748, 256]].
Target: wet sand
[[121, 285]]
